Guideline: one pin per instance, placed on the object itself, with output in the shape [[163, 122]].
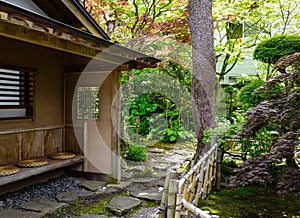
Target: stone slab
[[92, 216], [126, 175], [151, 194], [14, 213], [93, 185], [156, 150], [70, 196], [162, 166], [41, 205], [121, 185], [123, 204]]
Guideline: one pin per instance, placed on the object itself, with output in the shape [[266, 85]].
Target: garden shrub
[[249, 96], [270, 50], [136, 153]]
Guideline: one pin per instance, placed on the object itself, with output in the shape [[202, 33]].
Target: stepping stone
[[93, 185], [143, 180], [140, 168], [156, 150], [121, 185], [151, 194], [176, 158], [42, 205], [123, 204], [69, 196], [92, 216], [126, 175], [12, 213], [162, 166]]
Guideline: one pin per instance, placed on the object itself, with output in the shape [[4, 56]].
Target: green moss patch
[[250, 202]]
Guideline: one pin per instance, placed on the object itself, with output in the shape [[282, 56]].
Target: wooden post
[[164, 200], [137, 130], [85, 145], [219, 165], [173, 190]]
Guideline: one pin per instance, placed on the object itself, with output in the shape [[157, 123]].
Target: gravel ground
[[150, 212], [47, 189]]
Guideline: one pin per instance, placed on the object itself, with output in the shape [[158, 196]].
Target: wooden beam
[[96, 68], [82, 18], [51, 41]]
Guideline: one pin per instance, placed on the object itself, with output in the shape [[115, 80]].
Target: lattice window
[[16, 93], [88, 102]]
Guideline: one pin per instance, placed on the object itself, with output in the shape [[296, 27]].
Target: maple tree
[[125, 20], [238, 25]]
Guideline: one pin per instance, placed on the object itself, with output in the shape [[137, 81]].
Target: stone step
[[122, 204], [150, 194]]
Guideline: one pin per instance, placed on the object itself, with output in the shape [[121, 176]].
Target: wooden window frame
[[16, 83], [87, 107]]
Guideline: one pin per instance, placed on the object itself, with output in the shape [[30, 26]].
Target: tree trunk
[[204, 68]]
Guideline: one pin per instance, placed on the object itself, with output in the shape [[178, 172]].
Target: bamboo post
[[164, 200], [211, 171], [192, 191], [173, 189], [218, 169], [206, 178], [200, 185], [178, 207]]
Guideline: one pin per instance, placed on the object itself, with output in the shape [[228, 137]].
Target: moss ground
[[250, 202]]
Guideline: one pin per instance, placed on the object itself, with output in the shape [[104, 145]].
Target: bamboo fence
[[181, 197]]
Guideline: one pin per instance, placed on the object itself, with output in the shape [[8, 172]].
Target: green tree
[[240, 25]]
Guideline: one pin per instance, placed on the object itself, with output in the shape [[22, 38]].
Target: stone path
[[141, 180]]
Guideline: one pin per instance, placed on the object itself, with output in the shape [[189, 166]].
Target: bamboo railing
[[181, 197]]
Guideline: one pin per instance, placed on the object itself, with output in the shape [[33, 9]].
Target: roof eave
[[67, 38]]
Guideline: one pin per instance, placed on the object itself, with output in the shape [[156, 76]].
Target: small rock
[[69, 196], [93, 185], [123, 204]]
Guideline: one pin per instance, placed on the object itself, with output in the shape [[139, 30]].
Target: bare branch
[[133, 31]]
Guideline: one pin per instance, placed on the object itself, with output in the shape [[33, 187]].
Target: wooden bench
[[25, 173]]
